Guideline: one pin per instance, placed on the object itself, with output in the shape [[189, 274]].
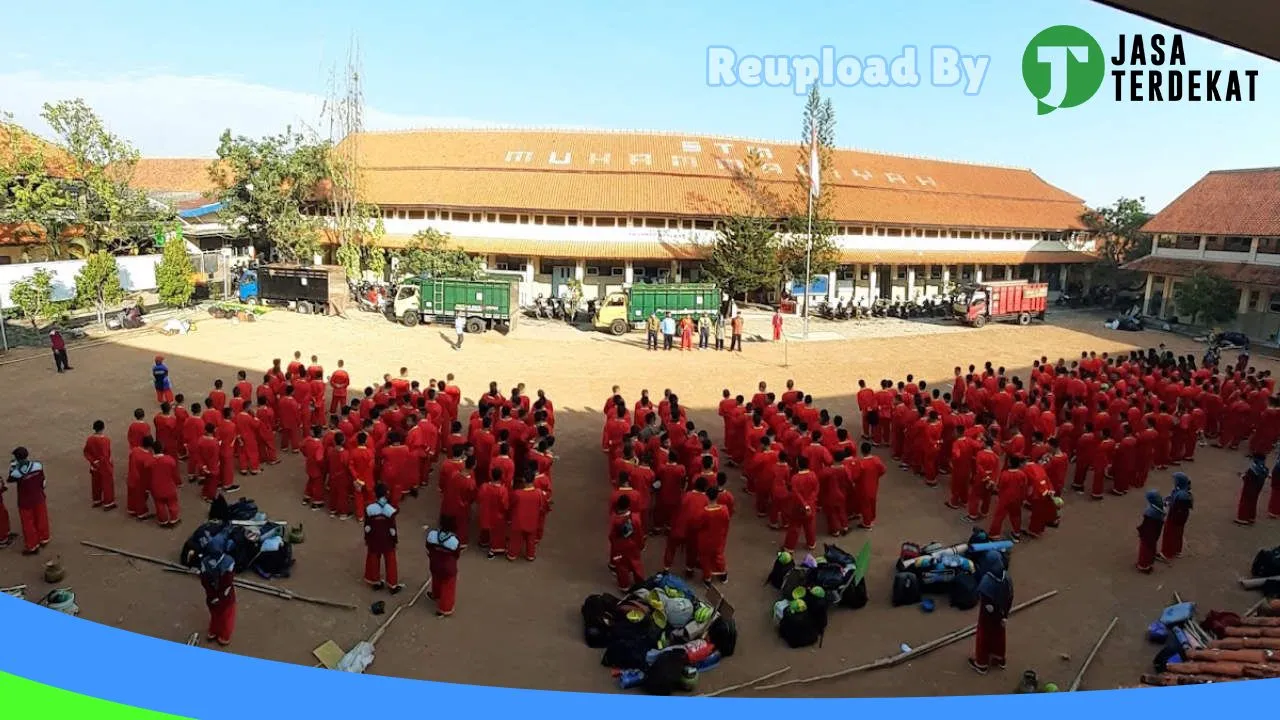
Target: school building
[[1227, 224], [612, 209]]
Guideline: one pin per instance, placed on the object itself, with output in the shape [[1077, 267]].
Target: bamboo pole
[[892, 660], [746, 684], [1075, 684], [377, 634], [246, 584]]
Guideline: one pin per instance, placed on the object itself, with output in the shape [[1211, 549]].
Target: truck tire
[[475, 325], [619, 327], [251, 300], [1024, 319], [304, 307], [410, 318], [980, 321]]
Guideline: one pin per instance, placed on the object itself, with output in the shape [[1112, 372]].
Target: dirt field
[[517, 623]]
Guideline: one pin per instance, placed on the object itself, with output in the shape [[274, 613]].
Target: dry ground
[[518, 623]]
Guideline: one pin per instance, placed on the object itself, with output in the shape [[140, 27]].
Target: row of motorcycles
[[374, 297], [939, 306], [556, 308]]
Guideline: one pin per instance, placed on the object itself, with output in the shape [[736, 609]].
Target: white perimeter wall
[[137, 272]]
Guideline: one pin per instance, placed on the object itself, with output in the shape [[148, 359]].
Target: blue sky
[[171, 75]]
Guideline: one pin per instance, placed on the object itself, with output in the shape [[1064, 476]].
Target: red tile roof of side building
[[1225, 202], [174, 175], [16, 141], [688, 175]]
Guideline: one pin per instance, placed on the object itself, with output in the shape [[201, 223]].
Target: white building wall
[[137, 273]]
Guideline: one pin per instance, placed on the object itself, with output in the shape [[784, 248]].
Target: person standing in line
[[719, 322], [686, 333], [59, 346], [218, 576], [995, 603], [652, 325], [27, 476], [459, 327], [704, 331], [668, 332], [777, 325], [736, 342], [443, 549]]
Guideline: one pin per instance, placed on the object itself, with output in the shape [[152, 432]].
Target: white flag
[[815, 169]]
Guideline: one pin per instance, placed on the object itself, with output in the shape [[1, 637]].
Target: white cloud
[[166, 115]]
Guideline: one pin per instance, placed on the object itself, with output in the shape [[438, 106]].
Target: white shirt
[[459, 324]]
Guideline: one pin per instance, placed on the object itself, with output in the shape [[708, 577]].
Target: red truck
[[1006, 300]]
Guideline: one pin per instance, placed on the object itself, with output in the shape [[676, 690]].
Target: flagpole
[[808, 255]]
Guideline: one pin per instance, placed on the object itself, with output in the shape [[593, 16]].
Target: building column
[[872, 286], [831, 286], [1088, 280], [946, 277], [628, 273], [1244, 300], [1035, 273], [580, 269], [675, 271], [1008, 272], [1064, 274], [977, 274], [1165, 294], [911, 282], [1146, 293]]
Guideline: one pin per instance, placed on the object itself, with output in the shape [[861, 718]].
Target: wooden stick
[[377, 634], [900, 658], [1075, 684], [246, 584], [1253, 609], [746, 684]]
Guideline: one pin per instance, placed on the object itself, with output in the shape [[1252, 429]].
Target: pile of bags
[[935, 568], [1266, 567], [809, 589], [660, 635], [253, 541]]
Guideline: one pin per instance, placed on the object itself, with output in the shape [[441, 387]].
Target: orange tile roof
[[1225, 202], [668, 174], [15, 141], [189, 175], [1246, 273], [23, 234]]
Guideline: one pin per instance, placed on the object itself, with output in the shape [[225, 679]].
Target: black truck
[[308, 289]]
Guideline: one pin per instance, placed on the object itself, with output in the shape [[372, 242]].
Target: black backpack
[[906, 589], [779, 571], [1266, 563], [666, 674], [855, 596], [964, 591], [599, 615], [798, 629], [723, 634]]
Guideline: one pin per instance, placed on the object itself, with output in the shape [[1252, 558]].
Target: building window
[[5, 260], [546, 267], [935, 272], [1269, 246], [431, 214], [555, 220], [1273, 305], [1237, 244], [964, 234], [1187, 242], [844, 272], [864, 273], [1166, 241], [1255, 301], [966, 272], [415, 214], [902, 272], [573, 219], [893, 232], [508, 218], [491, 217], [605, 222], [931, 233], [524, 219], [704, 224], [880, 231], [655, 223]]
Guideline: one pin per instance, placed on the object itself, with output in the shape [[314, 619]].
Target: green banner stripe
[[31, 699]]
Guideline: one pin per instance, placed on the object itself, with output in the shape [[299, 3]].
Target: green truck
[[485, 304], [620, 312]]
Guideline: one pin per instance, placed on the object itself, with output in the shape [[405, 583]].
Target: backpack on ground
[[906, 589]]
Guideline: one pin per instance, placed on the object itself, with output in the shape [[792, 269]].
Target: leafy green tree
[[429, 253], [113, 215], [174, 275], [1207, 298], [744, 257], [1118, 232], [98, 284], [33, 295], [44, 210], [269, 184]]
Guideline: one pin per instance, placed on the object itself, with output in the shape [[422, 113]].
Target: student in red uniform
[[164, 481], [682, 533], [138, 429], [1011, 492], [833, 482], [1044, 508], [871, 469], [360, 465], [1103, 459], [963, 451], [166, 426], [248, 457], [339, 381], [494, 501], [27, 476], [528, 507], [218, 396], [218, 577], [313, 458], [137, 479], [228, 443], [711, 527], [267, 432], [380, 539], [457, 493], [625, 545], [102, 471], [995, 602], [1178, 510], [1149, 530], [986, 469], [192, 430], [803, 507], [338, 470], [443, 550], [1253, 480], [207, 461]]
